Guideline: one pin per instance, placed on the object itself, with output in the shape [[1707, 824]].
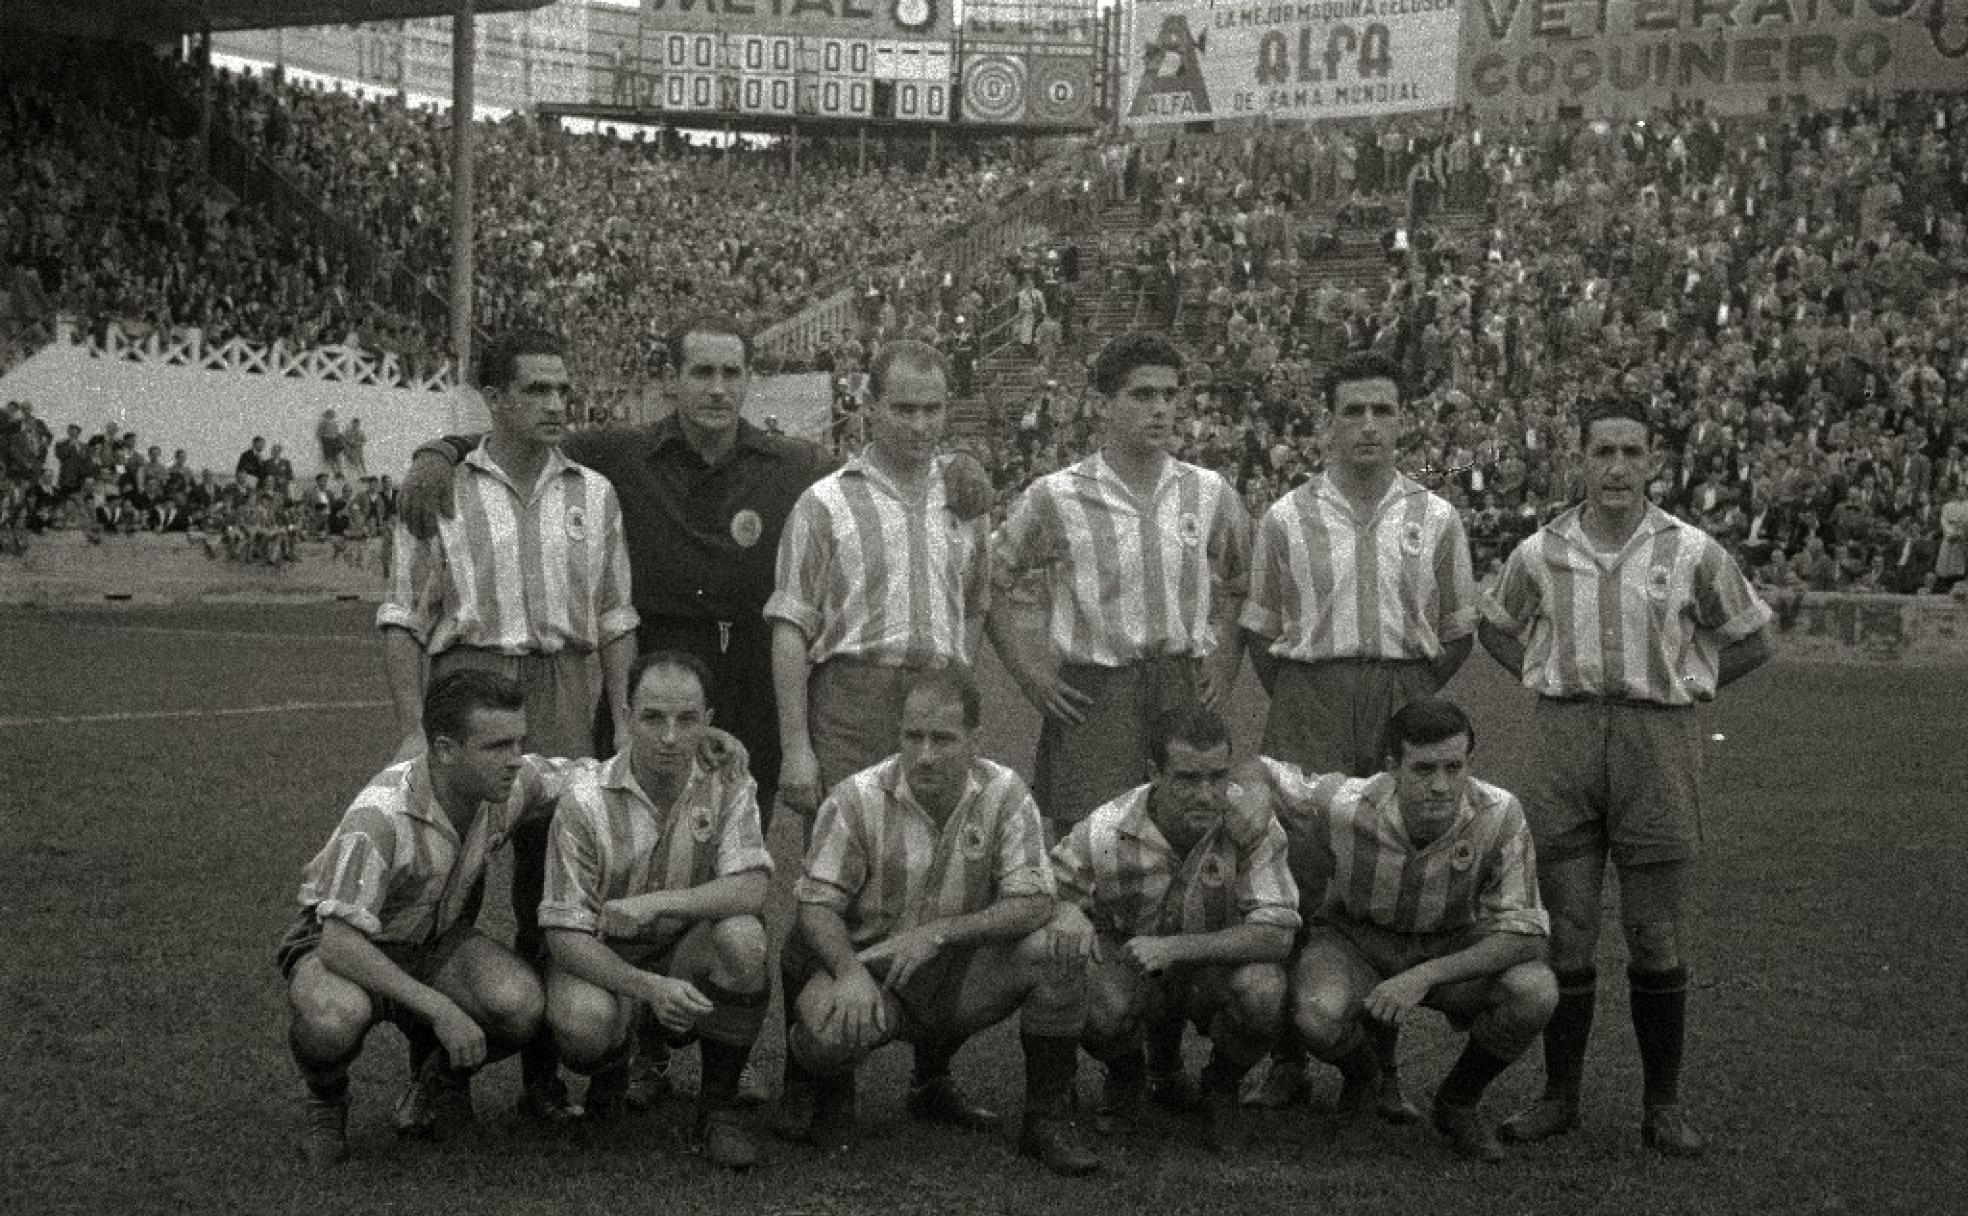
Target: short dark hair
[[715, 323], [1119, 358], [906, 353], [1362, 365], [1200, 728], [954, 683], [453, 697], [1608, 409], [675, 660], [1422, 721], [501, 360]]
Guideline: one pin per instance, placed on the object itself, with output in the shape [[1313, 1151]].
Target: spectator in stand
[[252, 461], [328, 433]]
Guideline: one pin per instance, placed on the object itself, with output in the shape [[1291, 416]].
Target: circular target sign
[[994, 89]]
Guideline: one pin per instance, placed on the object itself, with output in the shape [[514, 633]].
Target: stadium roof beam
[[158, 20]]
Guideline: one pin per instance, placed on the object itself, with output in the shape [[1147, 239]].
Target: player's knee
[[1323, 1017], [1110, 1017], [1528, 994], [1258, 992], [328, 1009], [823, 1054], [584, 1025], [1653, 945], [513, 1003], [741, 951]]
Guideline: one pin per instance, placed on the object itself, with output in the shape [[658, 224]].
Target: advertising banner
[[1626, 57], [874, 19], [1196, 61]]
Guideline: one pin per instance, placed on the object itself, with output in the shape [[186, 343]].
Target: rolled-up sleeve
[[1266, 892], [1455, 583], [1513, 603], [574, 882], [1028, 541], [741, 841], [1022, 868], [1725, 603], [837, 860], [805, 555], [615, 594], [1509, 902], [349, 880], [1263, 610], [1072, 866], [415, 595]]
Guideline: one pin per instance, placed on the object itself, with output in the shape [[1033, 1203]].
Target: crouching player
[[1183, 885], [1433, 901], [923, 914], [385, 929], [656, 878]]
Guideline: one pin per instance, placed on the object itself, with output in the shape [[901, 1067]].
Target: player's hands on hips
[[1052, 696], [1394, 998], [1151, 955], [463, 1039], [425, 496], [904, 953], [676, 1004], [859, 1012], [1069, 938], [799, 779]]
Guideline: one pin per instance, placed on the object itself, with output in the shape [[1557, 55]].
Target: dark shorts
[[854, 716], [1616, 778], [1079, 768], [421, 961], [929, 1001], [1331, 717], [1371, 954]]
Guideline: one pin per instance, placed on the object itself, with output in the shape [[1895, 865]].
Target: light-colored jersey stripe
[[538, 572], [1647, 623], [879, 860], [1129, 579], [866, 573], [1327, 584]]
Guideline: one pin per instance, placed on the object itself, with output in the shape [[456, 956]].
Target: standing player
[[1146, 560], [530, 580], [1192, 912], [1622, 619], [656, 881], [384, 931], [879, 578], [1433, 901], [922, 916], [1362, 598]]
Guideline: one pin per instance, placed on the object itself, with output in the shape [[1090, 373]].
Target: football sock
[[722, 1065], [1474, 1069], [933, 1058], [1387, 1044], [1660, 1023], [1566, 1034], [1165, 1048], [1050, 1062]]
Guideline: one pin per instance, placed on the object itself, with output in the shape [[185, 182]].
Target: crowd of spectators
[[1786, 292], [112, 484]]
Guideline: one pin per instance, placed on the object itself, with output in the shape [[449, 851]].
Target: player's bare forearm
[[347, 953], [790, 673], [404, 666], [1454, 655], [1231, 661], [1238, 944], [1022, 658], [1738, 659], [617, 656], [586, 957], [1503, 647], [1263, 662], [826, 934], [719, 899], [1007, 920], [1492, 954]]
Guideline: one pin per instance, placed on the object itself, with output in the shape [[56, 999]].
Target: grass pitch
[[156, 814]]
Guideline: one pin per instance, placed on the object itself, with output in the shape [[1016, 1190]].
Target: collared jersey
[[397, 871], [1118, 868], [1130, 578], [705, 537], [1327, 583], [537, 570], [1479, 875], [880, 861], [611, 841], [867, 572], [1647, 623]]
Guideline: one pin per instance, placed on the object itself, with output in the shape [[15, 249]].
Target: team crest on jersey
[[1463, 856], [1189, 529], [701, 825], [1411, 540], [1212, 872], [577, 523], [973, 842], [746, 528], [1658, 579]]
